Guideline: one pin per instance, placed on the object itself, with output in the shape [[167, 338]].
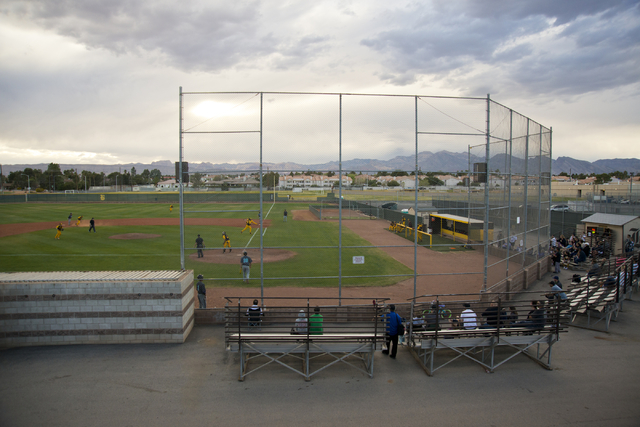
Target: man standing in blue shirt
[[393, 322], [245, 261]]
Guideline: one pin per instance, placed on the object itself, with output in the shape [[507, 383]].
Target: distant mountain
[[444, 161]]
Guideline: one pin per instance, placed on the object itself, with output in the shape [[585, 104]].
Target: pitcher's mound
[[215, 256], [133, 236]]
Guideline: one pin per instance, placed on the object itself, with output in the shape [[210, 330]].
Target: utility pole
[[26, 198]]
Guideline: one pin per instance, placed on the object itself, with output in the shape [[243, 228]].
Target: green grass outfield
[[79, 250]]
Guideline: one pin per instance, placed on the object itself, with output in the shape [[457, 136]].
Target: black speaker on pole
[[185, 172], [480, 172]]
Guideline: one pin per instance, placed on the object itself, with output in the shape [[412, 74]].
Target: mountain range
[[444, 161]]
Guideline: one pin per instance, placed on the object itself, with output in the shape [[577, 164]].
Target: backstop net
[[471, 172]]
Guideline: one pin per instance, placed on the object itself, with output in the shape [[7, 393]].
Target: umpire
[[200, 246], [202, 292]]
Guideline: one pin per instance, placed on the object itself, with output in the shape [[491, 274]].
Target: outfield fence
[[159, 197]]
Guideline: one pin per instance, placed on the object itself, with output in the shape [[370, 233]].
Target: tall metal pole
[[539, 191], [469, 194], [550, 172], [526, 194], [182, 265], [486, 201], [510, 154], [26, 199], [415, 214], [261, 219], [340, 203]]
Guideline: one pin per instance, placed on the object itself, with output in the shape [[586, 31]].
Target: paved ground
[[594, 383]]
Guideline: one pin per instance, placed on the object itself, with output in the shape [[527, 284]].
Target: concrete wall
[[105, 307], [521, 280]]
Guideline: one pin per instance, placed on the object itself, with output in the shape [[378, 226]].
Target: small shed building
[[619, 225]]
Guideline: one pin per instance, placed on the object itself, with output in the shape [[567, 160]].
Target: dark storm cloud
[[561, 11], [570, 47], [191, 36]]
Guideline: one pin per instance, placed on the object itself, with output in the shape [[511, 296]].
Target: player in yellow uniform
[[392, 226], [249, 221], [59, 233], [79, 219], [170, 208], [227, 242]]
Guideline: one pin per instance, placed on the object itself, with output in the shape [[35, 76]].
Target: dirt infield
[[134, 236], [233, 257], [304, 215], [21, 228], [445, 273]]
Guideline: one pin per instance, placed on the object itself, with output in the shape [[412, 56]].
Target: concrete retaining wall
[[95, 307]]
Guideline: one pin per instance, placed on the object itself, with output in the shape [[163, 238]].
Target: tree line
[[54, 179]]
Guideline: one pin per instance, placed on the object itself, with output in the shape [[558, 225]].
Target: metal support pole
[[469, 196], [415, 214], [261, 216], [26, 198], [182, 265], [548, 237], [509, 156], [340, 204], [526, 194], [539, 191], [486, 201]]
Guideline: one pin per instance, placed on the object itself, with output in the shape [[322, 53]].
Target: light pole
[[26, 198]]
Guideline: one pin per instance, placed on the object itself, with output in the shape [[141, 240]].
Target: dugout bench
[[490, 344], [350, 334]]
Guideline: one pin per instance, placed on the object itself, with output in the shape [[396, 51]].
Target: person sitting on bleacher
[[431, 318], [556, 292], [491, 316], [468, 317], [253, 313], [535, 318], [595, 270], [586, 249], [580, 257], [301, 323], [315, 322]]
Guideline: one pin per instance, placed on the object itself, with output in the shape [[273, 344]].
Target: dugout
[[458, 228]]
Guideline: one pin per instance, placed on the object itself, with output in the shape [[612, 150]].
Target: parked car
[[560, 208], [390, 205]]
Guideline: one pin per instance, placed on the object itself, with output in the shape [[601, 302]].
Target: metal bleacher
[[438, 336], [600, 298], [349, 334]]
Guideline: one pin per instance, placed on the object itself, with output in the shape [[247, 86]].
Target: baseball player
[[92, 224], [245, 261], [79, 219], [226, 242], [249, 221], [59, 233], [70, 218], [200, 246], [202, 292], [170, 208]]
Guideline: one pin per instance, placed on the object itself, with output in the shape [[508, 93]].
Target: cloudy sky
[[94, 81]]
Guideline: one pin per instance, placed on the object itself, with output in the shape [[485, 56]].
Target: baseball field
[[300, 256], [301, 251]]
